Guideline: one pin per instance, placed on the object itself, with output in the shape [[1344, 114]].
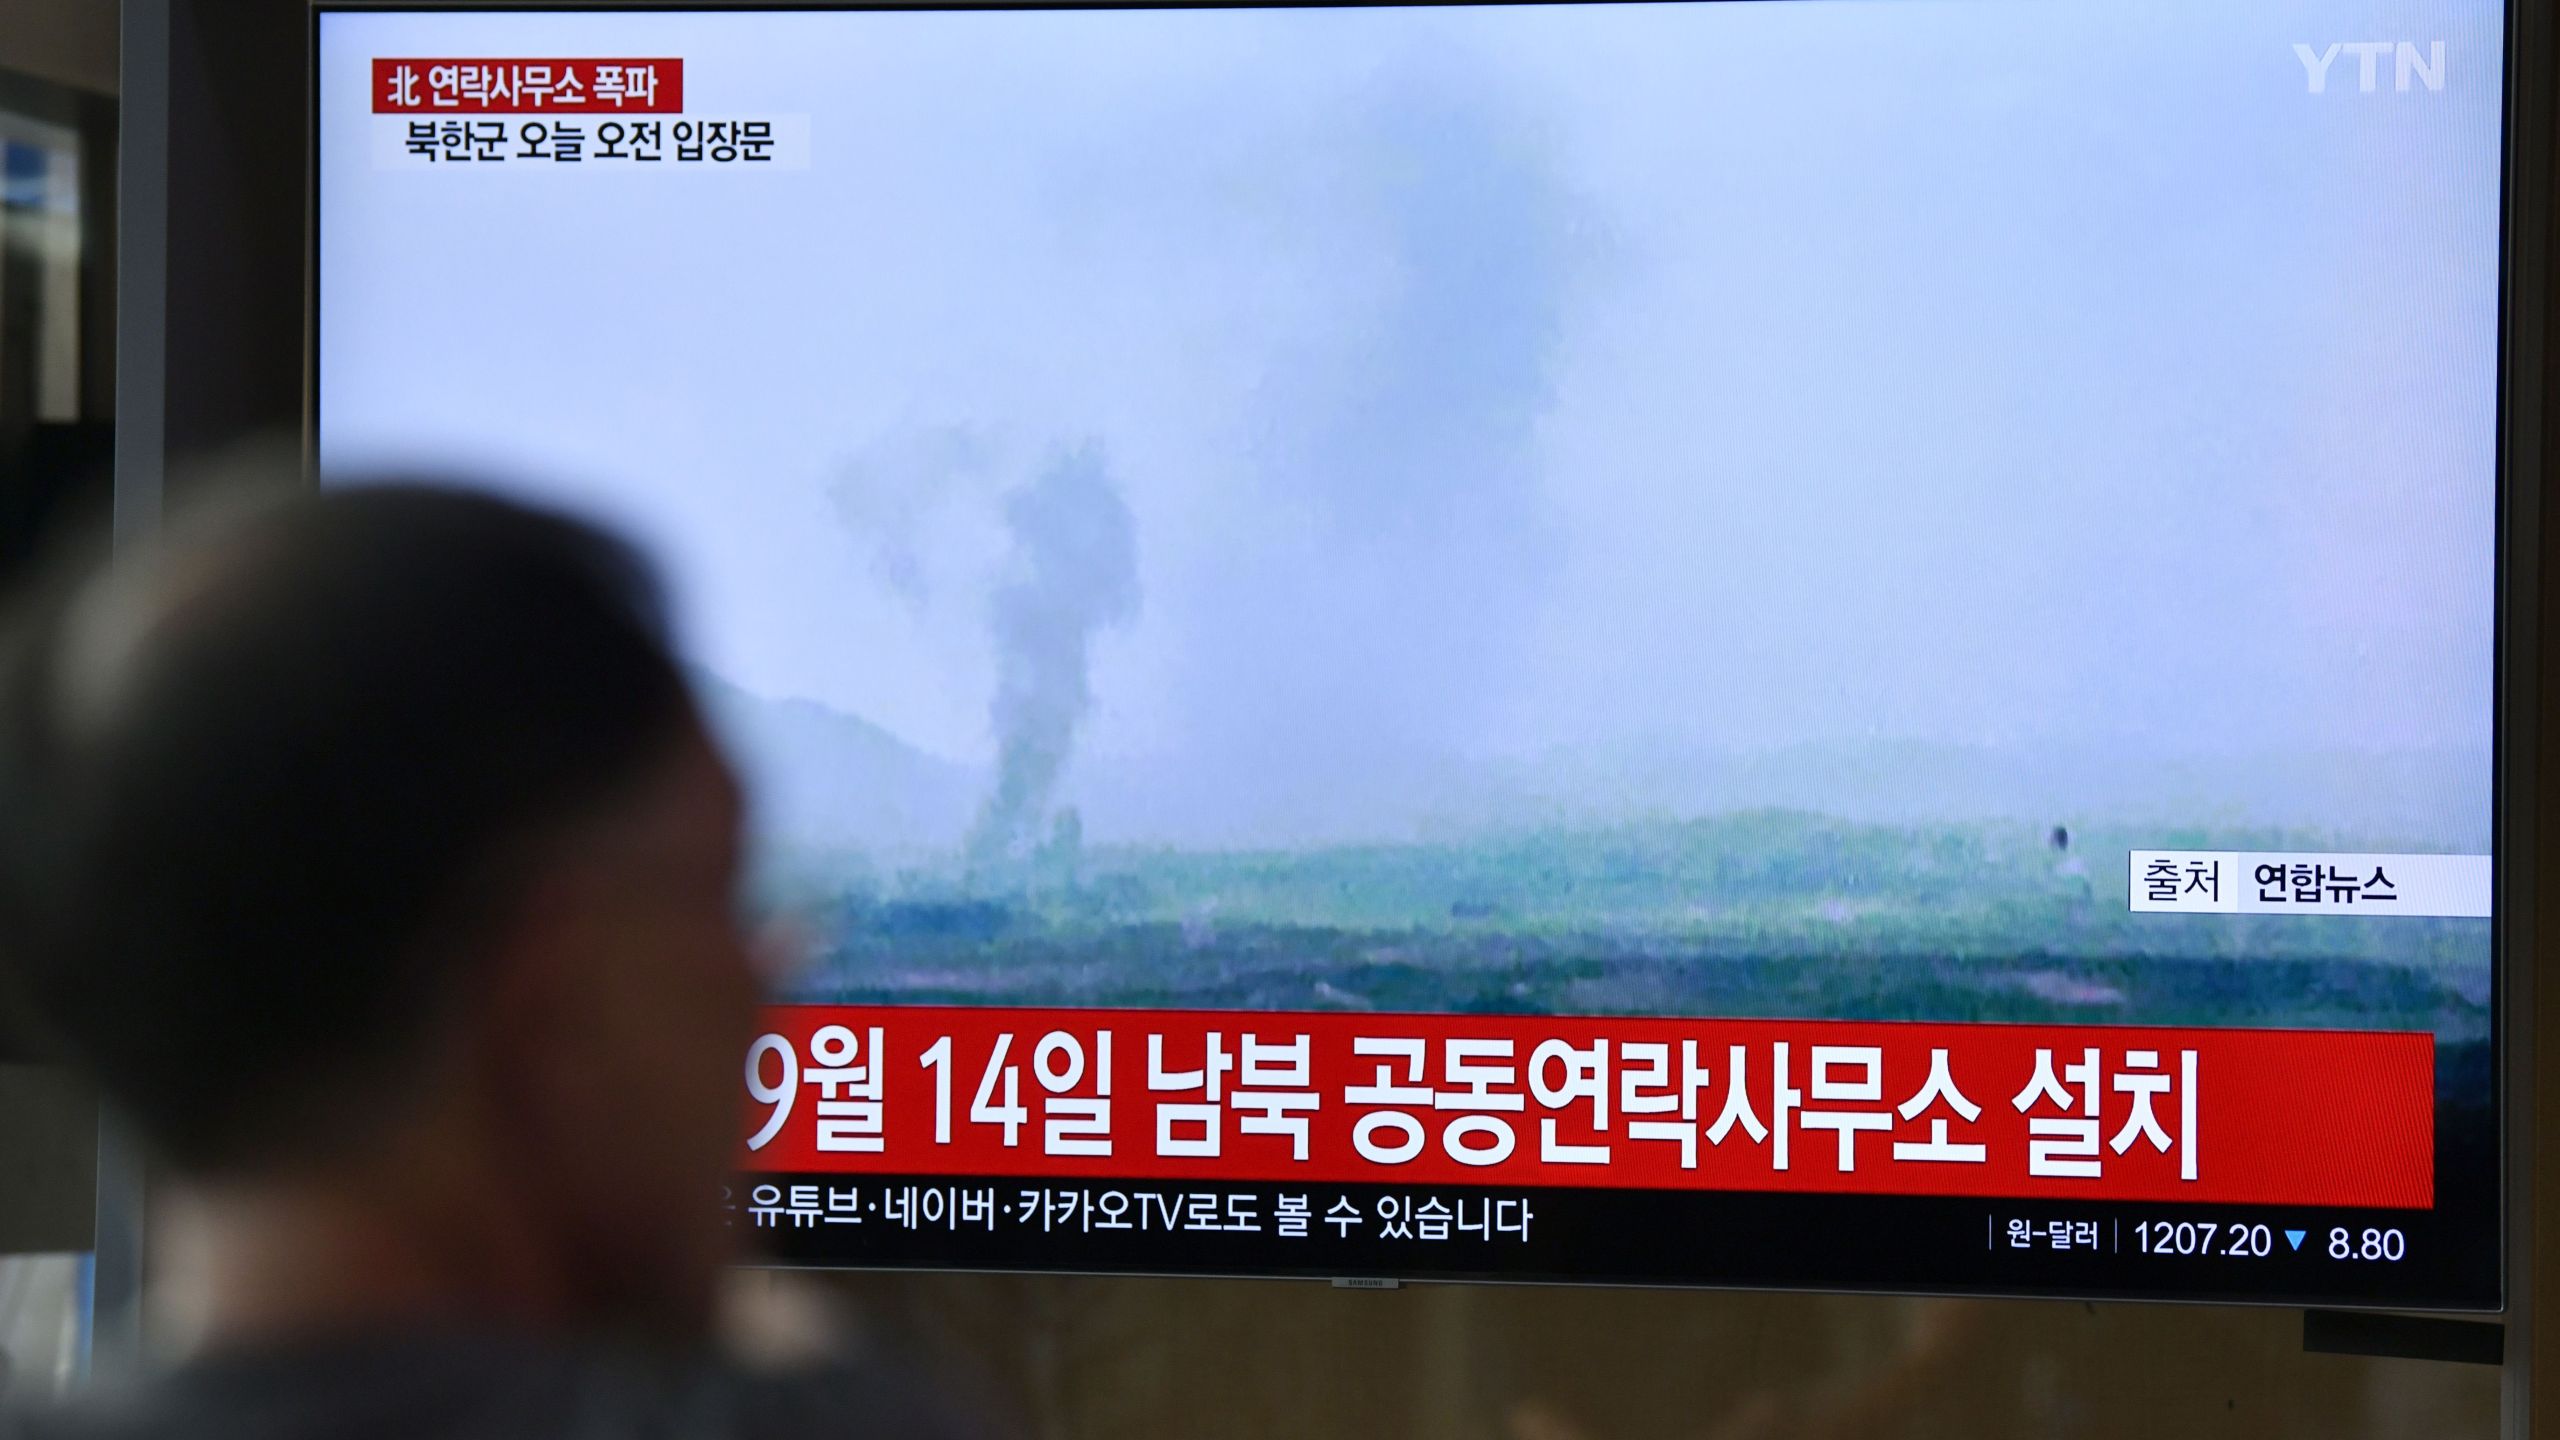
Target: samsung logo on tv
[[2408, 63]]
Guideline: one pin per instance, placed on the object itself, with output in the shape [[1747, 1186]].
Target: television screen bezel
[[2525, 153]]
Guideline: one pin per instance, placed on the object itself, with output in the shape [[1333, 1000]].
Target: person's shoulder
[[19, 1421], [849, 1397], [500, 1388], [140, 1410], [136, 1413], [381, 1387]]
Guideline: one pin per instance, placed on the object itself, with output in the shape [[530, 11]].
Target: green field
[[1763, 913]]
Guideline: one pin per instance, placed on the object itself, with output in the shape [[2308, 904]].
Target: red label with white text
[[507, 87], [2078, 1112]]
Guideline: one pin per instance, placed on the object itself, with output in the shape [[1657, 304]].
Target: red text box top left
[[528, 87]]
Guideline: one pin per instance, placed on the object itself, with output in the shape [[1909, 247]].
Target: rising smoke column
[[899, 490], [1376, 611], [1073, 572]]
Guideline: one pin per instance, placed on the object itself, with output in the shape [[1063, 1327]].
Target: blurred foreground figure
[[371, 852]]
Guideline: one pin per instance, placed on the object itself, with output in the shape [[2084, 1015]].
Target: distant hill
[[828, 781], [825, 779], [2438, 797]]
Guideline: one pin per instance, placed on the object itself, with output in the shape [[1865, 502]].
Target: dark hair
[[261, 783]]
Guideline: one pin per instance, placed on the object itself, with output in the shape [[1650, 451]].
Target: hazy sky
[[1488, 382]]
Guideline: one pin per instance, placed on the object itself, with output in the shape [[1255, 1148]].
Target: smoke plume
[[1402, 545], [1073, 572], [900, 494]]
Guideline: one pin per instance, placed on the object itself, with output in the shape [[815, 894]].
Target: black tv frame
[[215, 341]]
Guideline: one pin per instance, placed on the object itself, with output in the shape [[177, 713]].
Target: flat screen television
[[1818, 643]]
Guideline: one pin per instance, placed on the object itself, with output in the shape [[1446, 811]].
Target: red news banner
[[2344, 1118], [517, 87]]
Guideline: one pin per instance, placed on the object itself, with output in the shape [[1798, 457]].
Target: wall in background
[[69, 42], [1072, 1358]]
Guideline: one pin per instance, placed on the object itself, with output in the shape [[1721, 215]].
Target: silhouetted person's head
[[370, 850]]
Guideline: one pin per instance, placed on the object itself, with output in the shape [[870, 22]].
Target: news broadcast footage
[[1813, 644]]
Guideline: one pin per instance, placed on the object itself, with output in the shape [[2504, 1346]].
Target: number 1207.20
[[2203, 1237]]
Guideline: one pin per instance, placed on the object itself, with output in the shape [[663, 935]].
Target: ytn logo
[[2407, 63]]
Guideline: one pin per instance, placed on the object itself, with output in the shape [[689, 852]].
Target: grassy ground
[[1761, 913]]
